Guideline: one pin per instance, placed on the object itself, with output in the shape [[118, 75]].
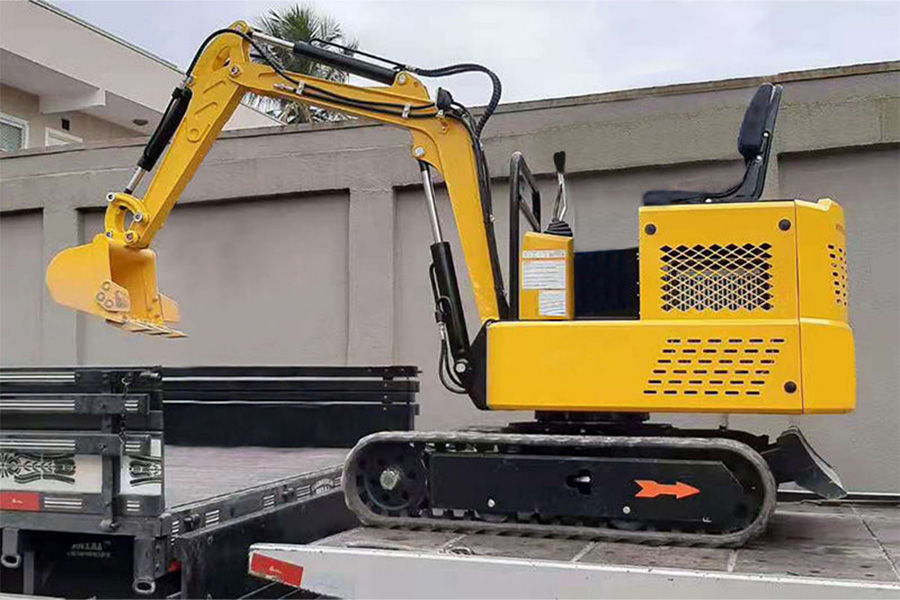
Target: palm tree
[[301, 23]]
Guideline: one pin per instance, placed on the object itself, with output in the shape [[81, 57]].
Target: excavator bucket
[[117, 283]]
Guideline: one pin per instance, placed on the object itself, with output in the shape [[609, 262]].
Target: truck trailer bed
[[194, 474], [810, 549], [126, 478]]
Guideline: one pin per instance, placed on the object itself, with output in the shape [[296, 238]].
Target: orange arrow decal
[[652, 489]]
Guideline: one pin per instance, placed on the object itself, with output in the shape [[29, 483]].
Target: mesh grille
[[717, 277], [838, 260], [714, 367]]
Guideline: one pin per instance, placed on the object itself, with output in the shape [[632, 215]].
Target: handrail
[[518, 170]]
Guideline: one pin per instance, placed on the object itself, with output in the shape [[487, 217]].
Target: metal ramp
[[811, 550]]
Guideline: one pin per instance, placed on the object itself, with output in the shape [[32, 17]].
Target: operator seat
[[754, 144]]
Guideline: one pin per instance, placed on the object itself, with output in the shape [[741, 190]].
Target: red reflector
[[20, 501], [276, 570]]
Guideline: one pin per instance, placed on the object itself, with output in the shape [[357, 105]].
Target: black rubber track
[[756, 526]]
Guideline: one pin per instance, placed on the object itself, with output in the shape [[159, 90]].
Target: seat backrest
[[750, 137], [754, 144]]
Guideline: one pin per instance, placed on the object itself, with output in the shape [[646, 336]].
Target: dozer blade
[[107, 279], [792, 458]]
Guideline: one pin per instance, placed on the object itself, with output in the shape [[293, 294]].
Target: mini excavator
[[728, 304]]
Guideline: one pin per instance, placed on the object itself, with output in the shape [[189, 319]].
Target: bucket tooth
[[133, 326], [153, 329], [147, 328]]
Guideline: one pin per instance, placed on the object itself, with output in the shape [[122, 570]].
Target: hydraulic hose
[[497, 87]]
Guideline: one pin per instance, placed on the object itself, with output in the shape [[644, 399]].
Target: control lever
[[561, 204], [557, 226]]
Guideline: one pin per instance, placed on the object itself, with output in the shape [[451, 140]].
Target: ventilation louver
[[710, 367], [838, 261]]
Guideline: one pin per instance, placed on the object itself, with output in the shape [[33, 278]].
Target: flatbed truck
[[96, 502], [271, 522]]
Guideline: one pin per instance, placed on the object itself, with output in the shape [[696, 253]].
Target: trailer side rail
[[369, 573]]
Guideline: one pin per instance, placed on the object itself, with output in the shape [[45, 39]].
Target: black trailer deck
[[213, 515], [810, 549], [118, 481], [196, 474], [218, 501]]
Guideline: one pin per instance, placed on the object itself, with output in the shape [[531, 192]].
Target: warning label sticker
[[544, 274], [552, 303], [544, 254]]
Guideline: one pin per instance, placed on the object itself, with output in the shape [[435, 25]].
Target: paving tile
[[880, 513], [797, 530], [886, 530], [670, 557], [398, 539], [832, 562], [815, 508], [894, 557], [518, 547]]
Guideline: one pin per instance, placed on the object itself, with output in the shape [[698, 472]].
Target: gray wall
[[309, 245]]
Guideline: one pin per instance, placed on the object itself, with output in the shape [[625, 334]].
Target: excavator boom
[[114, 276]]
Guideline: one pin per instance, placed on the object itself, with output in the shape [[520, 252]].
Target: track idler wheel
[[392, 479]]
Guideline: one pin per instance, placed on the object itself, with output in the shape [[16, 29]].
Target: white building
[[63, 81]]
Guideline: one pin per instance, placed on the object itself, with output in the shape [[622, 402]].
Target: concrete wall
[[310, 245], [262, 269], [25, 106], [21, 263]]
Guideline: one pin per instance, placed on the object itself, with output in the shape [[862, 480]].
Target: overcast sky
[[548, 48]]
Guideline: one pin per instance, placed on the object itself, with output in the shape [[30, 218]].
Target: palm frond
[[301, 22]]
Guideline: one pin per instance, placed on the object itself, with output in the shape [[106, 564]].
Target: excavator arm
[[114, 276]]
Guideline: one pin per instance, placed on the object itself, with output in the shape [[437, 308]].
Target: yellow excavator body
[[737, 319], [742, 305], [729, 304]]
